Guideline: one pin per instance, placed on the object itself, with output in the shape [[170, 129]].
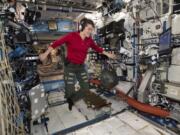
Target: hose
[[138, 105], [142, 106]]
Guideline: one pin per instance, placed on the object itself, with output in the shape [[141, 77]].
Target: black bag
[[109, 79]]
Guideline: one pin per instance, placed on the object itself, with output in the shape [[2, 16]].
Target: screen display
[[1, 54], [165, 42]]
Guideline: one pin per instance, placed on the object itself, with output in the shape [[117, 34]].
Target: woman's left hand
[[110, 55]]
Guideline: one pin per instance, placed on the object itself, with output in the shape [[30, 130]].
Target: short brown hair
[[84, 22], [11, 1]]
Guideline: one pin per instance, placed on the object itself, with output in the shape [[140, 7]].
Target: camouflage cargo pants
[[72, 74]]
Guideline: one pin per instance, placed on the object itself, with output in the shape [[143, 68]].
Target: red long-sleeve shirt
[[77, 48]]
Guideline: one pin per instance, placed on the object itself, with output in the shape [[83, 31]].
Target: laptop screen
[[165, 42]]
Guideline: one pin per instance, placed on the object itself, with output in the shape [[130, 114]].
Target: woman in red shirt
[[77, 44]]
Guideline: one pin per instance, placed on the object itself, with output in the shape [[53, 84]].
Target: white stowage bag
[[175, 24], [176, 56], [173, 74]]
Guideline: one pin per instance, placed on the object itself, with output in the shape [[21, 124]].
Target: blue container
[[63, 26], [18, 52], [41, 26], [53, 85], [66, 25]]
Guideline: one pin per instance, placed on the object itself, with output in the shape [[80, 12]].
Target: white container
[[176, 56], [173, 91], [175, 24], [174, 74]]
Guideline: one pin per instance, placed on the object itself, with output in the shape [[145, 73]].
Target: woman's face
[[88, 30]]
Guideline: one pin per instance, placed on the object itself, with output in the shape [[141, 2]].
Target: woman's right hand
[[42, 57]]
